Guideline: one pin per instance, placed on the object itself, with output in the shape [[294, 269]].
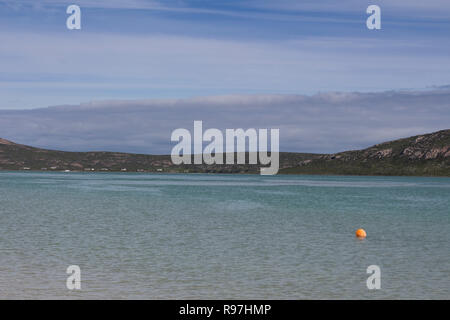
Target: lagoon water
[[161, 236]]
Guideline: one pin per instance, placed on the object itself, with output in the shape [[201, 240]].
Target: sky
[[151, 53]]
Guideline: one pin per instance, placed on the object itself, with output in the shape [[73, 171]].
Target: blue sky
[[146, 49], [310, 68]]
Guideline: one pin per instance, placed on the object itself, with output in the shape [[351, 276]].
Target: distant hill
[[422, 155]]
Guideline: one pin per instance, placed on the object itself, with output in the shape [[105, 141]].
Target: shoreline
[[221, 173]]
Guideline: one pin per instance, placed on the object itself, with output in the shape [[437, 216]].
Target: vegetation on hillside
[[422, 155]]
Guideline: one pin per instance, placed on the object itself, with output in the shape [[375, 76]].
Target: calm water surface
[[144, 236]]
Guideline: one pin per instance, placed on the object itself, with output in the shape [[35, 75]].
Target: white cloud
[[327, 122]]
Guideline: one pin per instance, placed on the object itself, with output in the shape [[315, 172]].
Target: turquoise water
[[159, 236]]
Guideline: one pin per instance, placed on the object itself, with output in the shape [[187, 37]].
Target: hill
[[422, 155]]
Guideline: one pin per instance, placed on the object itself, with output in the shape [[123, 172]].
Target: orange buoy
[[361, 233]]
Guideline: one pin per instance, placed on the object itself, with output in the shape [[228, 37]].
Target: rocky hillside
[[427, 154]]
